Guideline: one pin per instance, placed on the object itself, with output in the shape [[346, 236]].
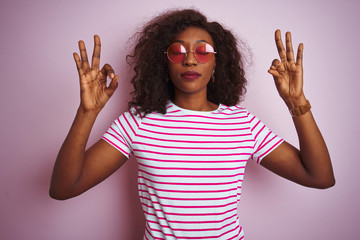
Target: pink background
[[39, 95]]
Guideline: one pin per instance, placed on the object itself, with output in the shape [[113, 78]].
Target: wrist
[[87, 113], [293, 102], [300, 109]]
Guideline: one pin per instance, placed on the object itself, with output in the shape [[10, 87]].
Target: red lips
[[190, 75]]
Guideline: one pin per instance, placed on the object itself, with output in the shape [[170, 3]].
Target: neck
[[194, 103]]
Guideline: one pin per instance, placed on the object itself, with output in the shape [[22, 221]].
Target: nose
[[190, 59]]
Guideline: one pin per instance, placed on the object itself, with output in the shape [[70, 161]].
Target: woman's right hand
[[93, 89]]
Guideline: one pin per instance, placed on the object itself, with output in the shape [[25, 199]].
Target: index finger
[[95, 62], [280, 46]]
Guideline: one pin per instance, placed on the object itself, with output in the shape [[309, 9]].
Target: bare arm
[[311, 165], [77, 170]]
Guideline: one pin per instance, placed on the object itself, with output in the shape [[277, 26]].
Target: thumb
[[274, 68], [274, 72], [113, 85]]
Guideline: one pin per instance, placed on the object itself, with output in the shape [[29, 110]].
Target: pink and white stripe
[[191, 167]]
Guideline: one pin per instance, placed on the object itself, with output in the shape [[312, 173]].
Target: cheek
[[209, 69], [173, 71]]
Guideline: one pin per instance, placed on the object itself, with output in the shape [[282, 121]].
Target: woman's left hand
[[311, 166], [288, 74]]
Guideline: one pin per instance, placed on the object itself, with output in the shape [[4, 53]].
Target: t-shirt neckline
[[194, 111]]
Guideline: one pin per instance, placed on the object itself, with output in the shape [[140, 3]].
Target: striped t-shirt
[[191, 167]]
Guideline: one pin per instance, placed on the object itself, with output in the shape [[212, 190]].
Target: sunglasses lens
[[176, 52], [204, 52]]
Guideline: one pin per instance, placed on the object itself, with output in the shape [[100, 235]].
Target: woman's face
[[191, 76]]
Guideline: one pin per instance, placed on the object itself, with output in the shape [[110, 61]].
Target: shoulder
[[129, 118], [234, 110]]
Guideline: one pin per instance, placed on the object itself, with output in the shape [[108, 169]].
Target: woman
[[189, 137]]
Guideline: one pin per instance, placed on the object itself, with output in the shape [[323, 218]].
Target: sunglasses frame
[[188, 51]]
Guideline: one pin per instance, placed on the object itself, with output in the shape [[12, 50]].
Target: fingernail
[[112, 75]]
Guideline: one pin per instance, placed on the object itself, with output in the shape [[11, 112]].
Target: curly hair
[[152, 88]]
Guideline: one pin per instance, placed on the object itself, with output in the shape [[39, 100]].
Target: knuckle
[[275, 62], [108, 67]]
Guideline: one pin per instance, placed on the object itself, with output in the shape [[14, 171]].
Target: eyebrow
[[197, 41]]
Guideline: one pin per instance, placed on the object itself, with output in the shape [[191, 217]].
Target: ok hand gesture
[[288, 74], [93, 88]]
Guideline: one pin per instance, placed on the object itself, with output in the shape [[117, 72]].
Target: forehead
[[194, 35]]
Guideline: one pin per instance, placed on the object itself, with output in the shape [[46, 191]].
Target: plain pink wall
[[39, 95]]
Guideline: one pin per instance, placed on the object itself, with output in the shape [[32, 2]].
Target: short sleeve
[[265, 140], [122, 132]]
